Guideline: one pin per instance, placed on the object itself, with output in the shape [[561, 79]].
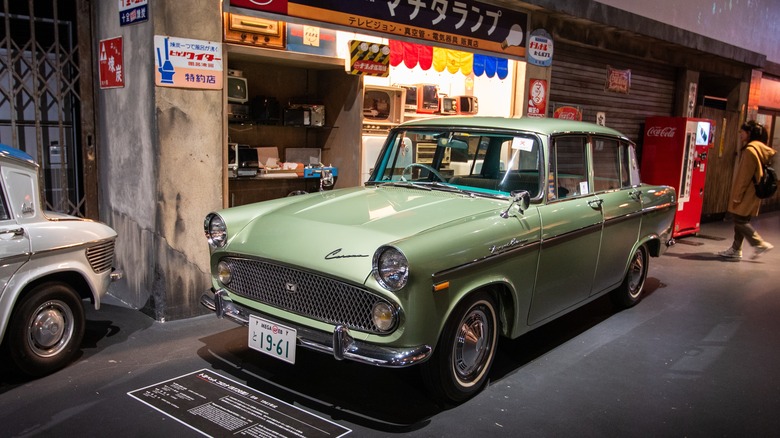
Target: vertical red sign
[[537, 98], [276, 6], [111, 71]]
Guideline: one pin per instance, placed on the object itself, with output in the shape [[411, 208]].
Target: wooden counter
[[246, 190]]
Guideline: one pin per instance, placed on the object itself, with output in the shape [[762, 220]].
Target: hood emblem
[[336, 254]]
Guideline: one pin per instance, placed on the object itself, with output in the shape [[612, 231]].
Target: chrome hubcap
[[472, 344], [50, 329], [636, 276]]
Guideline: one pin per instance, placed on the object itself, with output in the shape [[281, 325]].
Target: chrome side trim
[[339, 343]]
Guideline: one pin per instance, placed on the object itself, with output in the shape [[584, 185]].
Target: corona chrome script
[[657, 131]]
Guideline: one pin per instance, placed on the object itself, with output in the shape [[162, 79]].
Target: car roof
[[543, 126], [12, 152]]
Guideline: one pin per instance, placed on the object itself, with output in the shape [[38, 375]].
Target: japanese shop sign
[[537, 98], [133, 11], [466, 25], [618, 81], [111, 65], [369, 59], [186, 63], [540, 48]]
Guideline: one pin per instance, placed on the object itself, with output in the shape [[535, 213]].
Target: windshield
[[492, 163]]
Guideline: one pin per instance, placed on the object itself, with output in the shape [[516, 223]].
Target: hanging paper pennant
[[425, 56], [479, 64], [439, 59], [410, 54], [396, 53], [490, 66], [502, 68]]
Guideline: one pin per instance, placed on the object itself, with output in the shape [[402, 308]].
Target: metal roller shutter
[[579, 76]]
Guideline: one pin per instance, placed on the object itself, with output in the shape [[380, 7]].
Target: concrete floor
[[698, 357]]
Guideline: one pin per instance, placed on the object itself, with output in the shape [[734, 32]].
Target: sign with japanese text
[[368, 59], [540, 48], [186, 63], [618, 81], [111, 65], [466, 25], [537, 98], [133, 11]]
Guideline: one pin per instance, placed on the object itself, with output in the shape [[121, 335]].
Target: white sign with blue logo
[[133, 11], [540, 48]]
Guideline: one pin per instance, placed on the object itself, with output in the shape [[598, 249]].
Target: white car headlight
[[384, 316], [224, 273], [216, 230], [391, 269]]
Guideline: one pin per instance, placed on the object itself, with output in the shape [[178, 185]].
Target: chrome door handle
[[10, 234], [596, 203]]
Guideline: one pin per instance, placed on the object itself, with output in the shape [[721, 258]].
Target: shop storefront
[[316, 87], [769, 108]]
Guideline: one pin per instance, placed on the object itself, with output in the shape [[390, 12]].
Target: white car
[[49, 264]]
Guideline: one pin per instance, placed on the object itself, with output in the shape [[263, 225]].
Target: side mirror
[[520, 197]]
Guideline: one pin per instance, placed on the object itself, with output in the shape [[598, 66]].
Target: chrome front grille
[[307, 294], [101, 256]]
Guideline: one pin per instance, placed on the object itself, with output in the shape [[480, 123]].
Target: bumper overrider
[[339, 343]]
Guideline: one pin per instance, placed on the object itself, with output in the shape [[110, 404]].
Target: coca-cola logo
[[661, 131]]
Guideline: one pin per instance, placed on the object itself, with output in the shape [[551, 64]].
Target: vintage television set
[[410, 102], [467, 104], [427, 98], [448, 105], [382, 107], [237, 89], [242, 160]]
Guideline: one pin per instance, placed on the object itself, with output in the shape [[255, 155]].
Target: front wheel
[[630, 291], [46, 329], [459, 366]]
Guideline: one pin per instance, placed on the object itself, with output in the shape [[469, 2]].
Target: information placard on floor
[[215, 405]]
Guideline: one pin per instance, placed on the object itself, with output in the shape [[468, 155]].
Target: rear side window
[[607, 165], [569, 167]]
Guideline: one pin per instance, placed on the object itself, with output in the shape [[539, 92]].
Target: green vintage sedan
[[469, 228]]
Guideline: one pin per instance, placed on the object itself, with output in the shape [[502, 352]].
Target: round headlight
[[216, 231], [391, 269], [383, 316], [223, 273]]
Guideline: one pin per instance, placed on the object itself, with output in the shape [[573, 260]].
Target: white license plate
[[272, 339]]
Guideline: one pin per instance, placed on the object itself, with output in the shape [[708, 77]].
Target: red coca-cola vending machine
[[674, 153]]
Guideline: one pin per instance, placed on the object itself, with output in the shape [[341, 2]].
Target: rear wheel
[[46, 329], [630, 291], [459, 366]]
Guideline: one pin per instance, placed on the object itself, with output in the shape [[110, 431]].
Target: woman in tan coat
[[743, 202]]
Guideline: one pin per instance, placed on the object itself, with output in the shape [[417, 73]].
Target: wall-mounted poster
[[567, 112], [368, 59], [540, 48], [186, 63], [618, 81], [537, 98], [111, 66]]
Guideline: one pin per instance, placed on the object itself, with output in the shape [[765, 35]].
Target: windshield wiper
[[406, 184], [449, 188]]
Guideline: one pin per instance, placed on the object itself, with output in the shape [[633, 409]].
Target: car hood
[[337, 232]]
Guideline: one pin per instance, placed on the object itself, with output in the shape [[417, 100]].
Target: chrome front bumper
[[339, 343]]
